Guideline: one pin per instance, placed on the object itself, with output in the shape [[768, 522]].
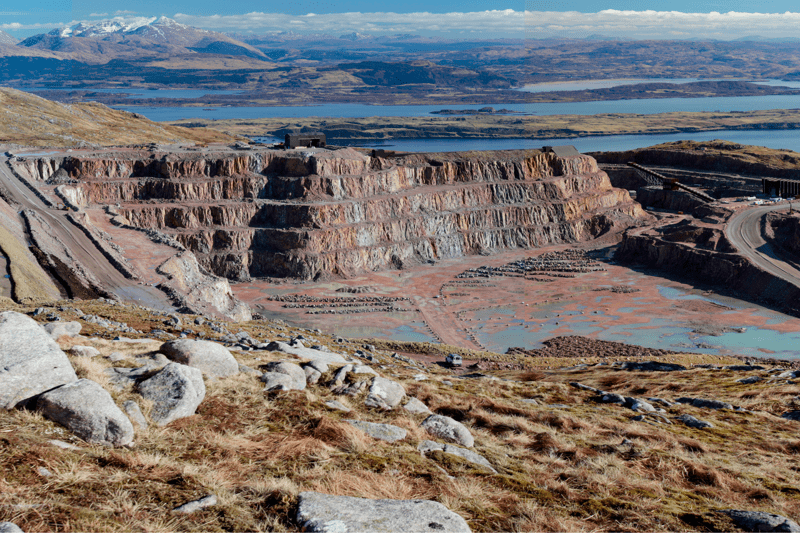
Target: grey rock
[[386, 432], [346, 514], [448, 429], [789, 374], [134, 413], [319, 366], [337, 405], [244, 369], [693, 422], [364, 369], [791, 415], [750, 380], [651, 366], [612, 397], [300, 351], [10, 527], [703, 403], [84, 351], [635, 404], [385, 393], [211, 358], [429, 446], [57, 329], [742, 368], [30, 360], [87, 410], [416, 406], [581, 386], [176, 391], [42, 471], [277, 381], [758, 521], [116, 357], [64, 445], [662, 401], [341, 375], [292, 370], [196, 505], [312, 375]]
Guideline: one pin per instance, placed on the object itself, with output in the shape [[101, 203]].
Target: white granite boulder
[[385, 393], [302, 352], [176, 390], [448, 429], [30, 360], [346, 514], [87, 410], [292, 370], [211, 358], [277, 381]]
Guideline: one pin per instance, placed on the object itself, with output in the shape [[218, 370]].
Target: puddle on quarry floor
[[495, 313]]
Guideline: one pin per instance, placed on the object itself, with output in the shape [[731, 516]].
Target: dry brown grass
[[585, 466]]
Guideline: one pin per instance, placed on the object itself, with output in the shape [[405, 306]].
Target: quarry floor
[[502, 312]]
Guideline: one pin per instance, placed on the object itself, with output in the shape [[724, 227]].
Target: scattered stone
[[300, 351], [651, 366], [581, 386], [134, 413], [635, 404], [244, 369], [84, 351], [9, 527], [30, 360], [386, 432], [448, 429], [750, 380], [312, 375], [529, 401], [341, 375], [116, 357], [346, 514], [58, 329], [758, 521], [278, 381], [703, 403], [791, 415], [196, 505], [420, 377], [319, 366], [429, 446], [612, 397], [385, 393], [416, 406], [64, 445], [789, 374], [662, 401], [743, 368], [87, 410], [337, 405], [364, 369], [42, 471], [211, 358], [292, 370], [693, 422], [176, 390]]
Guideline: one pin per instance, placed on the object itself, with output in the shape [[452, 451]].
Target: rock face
[[344, 514], [448, 429], [211, 358], [176, 390], [30, 360], [86, 409], [310, 214]]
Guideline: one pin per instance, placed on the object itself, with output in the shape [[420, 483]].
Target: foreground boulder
[[87, 410], [758, 521], [345, 514], [448, 429], [211, 358], [30, 360], [176, 390]]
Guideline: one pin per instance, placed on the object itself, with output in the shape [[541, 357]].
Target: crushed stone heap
[[316, 213]]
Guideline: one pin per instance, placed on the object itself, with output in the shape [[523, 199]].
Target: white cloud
[[498, 22], [98, 14], [13, 26]]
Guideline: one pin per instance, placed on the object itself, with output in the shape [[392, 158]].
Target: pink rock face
[[309, 214]]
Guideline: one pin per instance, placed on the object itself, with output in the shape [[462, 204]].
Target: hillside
[[29, 120]]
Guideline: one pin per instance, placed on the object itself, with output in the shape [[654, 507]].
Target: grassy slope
[[586, 466], [29, 120]]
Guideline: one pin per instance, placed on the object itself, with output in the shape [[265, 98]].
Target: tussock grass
[[580, 466]]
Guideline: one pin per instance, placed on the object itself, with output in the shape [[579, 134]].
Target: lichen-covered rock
[[448, 429], [429, 446], [345, 514], [87, 410], [30, 360], [693, 422], [416, 406], [176, 390], [292, 370], [209, 357], [386, 432]]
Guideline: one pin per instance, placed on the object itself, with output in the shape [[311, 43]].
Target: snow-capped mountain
[[122, 37], [6, 38]]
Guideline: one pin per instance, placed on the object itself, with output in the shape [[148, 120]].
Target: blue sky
[[661, 19]]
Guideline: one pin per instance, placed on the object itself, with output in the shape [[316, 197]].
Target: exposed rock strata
[[312, 214]]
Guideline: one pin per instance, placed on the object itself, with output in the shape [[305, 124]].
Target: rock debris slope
[[320, 213]]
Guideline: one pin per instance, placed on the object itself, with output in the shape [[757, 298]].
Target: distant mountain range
[[146, 37]]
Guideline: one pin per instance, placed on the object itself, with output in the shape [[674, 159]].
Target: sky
[[629, 19]]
